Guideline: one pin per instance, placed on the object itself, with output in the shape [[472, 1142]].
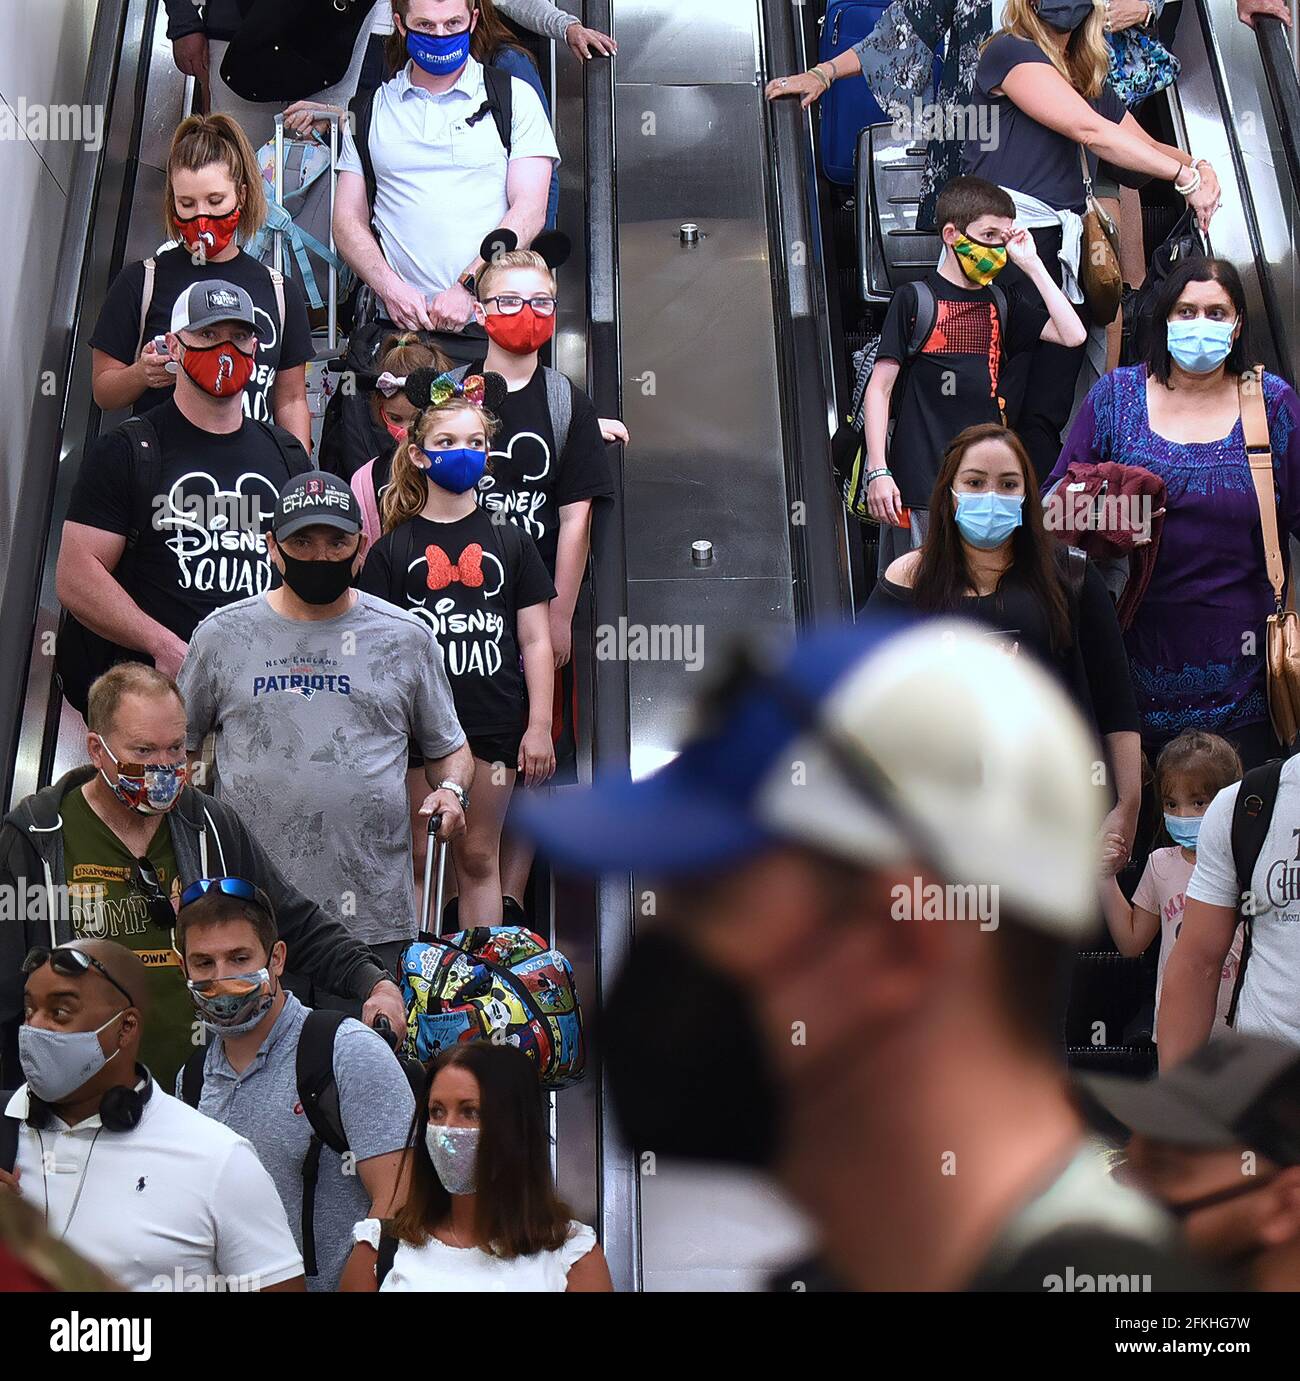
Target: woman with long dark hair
[[478, 1208], [988, 555], [1197, 643]]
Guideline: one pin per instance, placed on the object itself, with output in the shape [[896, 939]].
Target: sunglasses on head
[[70, 963], [228, 887]]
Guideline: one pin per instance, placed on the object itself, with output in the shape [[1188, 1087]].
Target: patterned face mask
[[980, 263]]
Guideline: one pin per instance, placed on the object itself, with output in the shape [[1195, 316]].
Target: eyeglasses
[[511, 304], [228, 887], [145, 880], [70, 963]]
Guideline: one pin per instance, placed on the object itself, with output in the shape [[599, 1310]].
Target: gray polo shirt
[[375, 1103]]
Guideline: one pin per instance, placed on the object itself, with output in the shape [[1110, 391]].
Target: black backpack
[[288, 50], [81, 655], [319, 1095], [499, 104], [1252, 813]]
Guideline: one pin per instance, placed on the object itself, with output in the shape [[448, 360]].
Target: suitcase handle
[[335, 118], [437, 850]]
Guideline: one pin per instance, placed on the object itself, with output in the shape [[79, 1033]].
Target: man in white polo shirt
[[152, 1192], [444, 174]]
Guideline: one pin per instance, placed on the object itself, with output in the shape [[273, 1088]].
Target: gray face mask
[[58, 1063], [454, 1153]]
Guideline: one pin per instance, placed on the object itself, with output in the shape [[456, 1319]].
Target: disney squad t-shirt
[[467, 579], [280, 344], [206, 546]]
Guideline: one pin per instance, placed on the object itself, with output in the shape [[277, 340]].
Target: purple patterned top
[[1196, 647]]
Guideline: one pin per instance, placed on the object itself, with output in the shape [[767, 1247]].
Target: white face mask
[[58, 1063], [454, 1153]]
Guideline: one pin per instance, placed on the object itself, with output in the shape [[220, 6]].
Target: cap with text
[[213, 300], [315, 499]]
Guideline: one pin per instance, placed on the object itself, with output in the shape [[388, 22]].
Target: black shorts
[[498, 747]]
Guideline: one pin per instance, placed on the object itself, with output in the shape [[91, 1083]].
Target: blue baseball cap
[[878, 743]]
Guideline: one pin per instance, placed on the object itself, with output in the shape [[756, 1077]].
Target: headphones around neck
[[120, 1109]]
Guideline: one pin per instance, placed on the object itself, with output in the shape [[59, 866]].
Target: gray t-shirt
[[375, 1104], [313, 723]]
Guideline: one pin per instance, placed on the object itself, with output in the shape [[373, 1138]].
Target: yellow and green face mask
[[980, 263]]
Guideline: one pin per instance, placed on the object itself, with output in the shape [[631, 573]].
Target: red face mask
[[395, 429], [221, 370], [208, 235], [522, 333]]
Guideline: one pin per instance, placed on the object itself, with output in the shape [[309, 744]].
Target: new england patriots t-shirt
[[206, 544], [313, 722]]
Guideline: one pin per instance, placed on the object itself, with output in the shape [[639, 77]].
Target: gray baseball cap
[[212, 300]]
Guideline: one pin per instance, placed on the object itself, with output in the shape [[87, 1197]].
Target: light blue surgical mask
[[987, 520], [1184, 829], [1201, 345], [440, 55], [58, 1063]]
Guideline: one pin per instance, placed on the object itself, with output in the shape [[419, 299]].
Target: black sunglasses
[[70, 963], [145, 880]]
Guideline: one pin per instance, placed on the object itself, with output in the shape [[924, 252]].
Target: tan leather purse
[[1099, 271], [1283, 628]]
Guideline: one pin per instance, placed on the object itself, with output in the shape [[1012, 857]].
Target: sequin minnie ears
[[427, 388]]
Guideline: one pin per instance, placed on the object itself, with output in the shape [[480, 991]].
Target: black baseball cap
[[314, 499], [1238, 1090]]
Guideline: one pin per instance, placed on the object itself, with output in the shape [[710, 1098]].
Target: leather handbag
[[1099, 273], [1283, 627]]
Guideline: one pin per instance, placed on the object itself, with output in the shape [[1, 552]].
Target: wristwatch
[[457, 791], [468, 283]]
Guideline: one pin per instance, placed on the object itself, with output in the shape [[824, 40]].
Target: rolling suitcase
[[849, 105], [503, 984]]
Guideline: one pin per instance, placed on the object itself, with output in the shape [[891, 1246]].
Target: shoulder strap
[[927, 311], [386, 1256], [192, 1077], [145, 473], [277, 285], [559, 403], [292, 451], [362, 110], [146, 301], [1252, 813], [501, 102], [1259, 454], [1076, 569], [1000, 302], [319, 1095], [8, 1134]]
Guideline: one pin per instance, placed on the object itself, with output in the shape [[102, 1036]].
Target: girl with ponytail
[[481, 586], [212, 203]]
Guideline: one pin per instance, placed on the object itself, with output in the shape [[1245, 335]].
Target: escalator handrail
[[31, 535], [1283, 88]]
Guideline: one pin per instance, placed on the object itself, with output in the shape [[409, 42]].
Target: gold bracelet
[[817, 72]]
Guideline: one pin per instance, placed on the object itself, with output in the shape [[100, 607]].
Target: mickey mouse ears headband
[[553, 245], [427, 388]]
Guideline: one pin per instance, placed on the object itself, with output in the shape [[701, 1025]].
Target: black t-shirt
[[1094, 669], [1025, 154], [280, 345], [468, 579], [194, 557], [953, 382], [526, 482]]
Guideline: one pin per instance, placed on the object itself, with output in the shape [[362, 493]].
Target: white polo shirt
[[178, 1203], [440, 182]]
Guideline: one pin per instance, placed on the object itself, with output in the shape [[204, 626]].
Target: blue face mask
[[1184, 829], [440, 55], [987, 520], [456, 471], [1201, 345]]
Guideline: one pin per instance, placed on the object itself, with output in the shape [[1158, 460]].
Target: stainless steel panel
[[671, 43], [713, 613], [165, 106], [699, 371]]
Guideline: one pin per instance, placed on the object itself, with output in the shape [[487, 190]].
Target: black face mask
[[688, 1069], [317, 582], [1064, 15]]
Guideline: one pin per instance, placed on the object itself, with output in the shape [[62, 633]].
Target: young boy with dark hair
[[948, 337]]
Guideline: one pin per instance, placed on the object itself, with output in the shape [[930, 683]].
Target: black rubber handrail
[[40, 469], [1283, 89]]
